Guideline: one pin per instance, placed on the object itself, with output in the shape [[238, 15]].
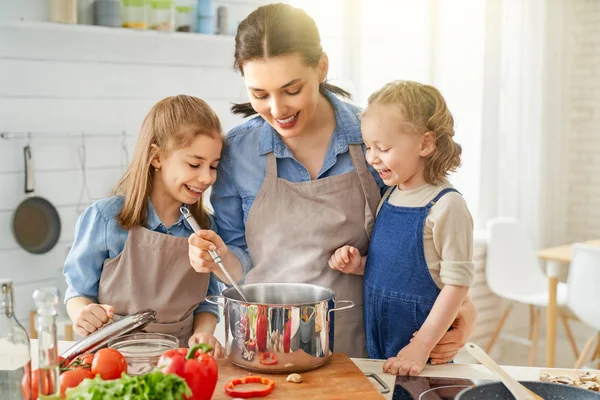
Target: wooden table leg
[[552, 271]]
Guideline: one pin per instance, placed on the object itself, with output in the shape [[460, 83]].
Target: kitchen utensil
[[271, 324], [519, 391], [553, 391], [142, 350], [36, 223], [119, 327], [215, 256], [340, 378]]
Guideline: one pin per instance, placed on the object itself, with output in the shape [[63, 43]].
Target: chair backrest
[[511, 264], [584, 284]]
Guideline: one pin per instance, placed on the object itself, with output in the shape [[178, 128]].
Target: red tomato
[[47, 387], [82, 361], [109, 364], [73, 378]]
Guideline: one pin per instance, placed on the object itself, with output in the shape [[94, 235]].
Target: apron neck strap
[[271, 165]]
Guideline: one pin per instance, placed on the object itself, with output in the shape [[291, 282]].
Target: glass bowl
[[142, 350]]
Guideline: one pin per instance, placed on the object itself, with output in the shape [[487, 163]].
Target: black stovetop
[[430, 388]]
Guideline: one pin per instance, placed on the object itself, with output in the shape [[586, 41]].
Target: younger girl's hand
[[204, 337], [92, 317], [199, 244], [410, 360], [347, 259]]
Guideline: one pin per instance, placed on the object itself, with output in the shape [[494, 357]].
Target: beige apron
[[154, 272], [293, 229]]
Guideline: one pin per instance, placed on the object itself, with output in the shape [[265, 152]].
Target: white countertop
[[469, 371]]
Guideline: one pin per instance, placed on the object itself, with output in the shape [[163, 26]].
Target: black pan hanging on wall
[[36, 223]]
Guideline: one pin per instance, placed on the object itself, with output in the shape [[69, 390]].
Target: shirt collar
[[153, 222], [347, 131]]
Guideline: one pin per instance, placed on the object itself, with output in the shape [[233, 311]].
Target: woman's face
[[188, 172], [285, 91]]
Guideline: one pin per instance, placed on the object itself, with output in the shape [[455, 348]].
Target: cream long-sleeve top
[[447, 232]]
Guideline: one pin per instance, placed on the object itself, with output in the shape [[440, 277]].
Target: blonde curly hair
[[424, 110]]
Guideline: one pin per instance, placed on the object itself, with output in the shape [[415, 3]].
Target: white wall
[[583, 122], [58, 78]]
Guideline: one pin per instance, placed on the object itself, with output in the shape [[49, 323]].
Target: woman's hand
[[204, 337], [457, 335], [92, 317], [347, 259]]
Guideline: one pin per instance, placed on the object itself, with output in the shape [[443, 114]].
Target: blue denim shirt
[[242, 170], [98, 236]]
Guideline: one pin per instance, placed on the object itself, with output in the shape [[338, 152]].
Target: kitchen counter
[[469, 371]]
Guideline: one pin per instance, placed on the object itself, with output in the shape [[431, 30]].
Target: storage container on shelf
[[185, 16], [133, 14], [161, 15]]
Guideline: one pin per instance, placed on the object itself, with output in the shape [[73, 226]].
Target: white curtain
[[521, 167]]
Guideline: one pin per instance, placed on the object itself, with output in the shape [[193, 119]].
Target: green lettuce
[[151, 386]]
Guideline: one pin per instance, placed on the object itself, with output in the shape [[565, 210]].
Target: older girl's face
[[186, 173], [285, 91]]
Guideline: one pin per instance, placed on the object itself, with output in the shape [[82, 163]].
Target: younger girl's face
[[188, 172], [284, 91], [394, 151]]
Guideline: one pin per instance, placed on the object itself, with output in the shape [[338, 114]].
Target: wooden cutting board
[[340, 379]]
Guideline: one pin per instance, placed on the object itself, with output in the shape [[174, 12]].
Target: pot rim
[[231, 289]]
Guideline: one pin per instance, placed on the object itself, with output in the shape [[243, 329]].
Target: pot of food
[[285, 327]]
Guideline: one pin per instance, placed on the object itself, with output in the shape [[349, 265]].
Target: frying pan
[[36, 224], [553, 391]]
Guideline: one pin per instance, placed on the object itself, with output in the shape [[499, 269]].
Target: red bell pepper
[[262, 324], [198, 369], [251, 344], [231, 391], [268, 358]]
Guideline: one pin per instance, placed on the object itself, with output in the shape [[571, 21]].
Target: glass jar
[[143, 350], [15, 357], [133, 14], [185, 16], [46, 302], [161, 15]]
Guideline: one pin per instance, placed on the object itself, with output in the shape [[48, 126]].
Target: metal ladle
[[213, 253]]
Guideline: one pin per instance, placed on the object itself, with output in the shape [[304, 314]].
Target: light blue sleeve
[[215, 287], [85, 261], [229, 215]]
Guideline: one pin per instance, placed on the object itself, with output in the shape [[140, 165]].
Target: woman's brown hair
[[424, 109], [273, 30], [162, 128]]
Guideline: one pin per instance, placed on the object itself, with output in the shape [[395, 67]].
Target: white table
[[467, 371]]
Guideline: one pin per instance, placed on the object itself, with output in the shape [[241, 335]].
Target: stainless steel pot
[[286, 327]]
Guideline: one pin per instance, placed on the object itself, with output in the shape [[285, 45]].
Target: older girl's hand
[[199, 245]]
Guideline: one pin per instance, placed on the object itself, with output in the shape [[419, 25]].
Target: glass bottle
[[15, 357], [46, 301]]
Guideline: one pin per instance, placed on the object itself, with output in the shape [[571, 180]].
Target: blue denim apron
[[399, 289]]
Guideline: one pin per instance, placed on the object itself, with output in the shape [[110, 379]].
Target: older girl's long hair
[[424, 109], [162, 128]]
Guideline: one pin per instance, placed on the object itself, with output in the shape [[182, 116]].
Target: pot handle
[[214, 299], [349, 306]]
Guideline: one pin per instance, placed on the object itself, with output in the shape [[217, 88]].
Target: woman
[[293, 182]]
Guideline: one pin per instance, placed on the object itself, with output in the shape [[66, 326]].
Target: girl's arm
[[442, 315]]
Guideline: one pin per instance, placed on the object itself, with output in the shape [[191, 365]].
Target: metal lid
[[119, 327]]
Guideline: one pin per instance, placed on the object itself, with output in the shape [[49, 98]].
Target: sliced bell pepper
[[198, 369], [251, 344], [230, 389], [268, 358], [287, 336]]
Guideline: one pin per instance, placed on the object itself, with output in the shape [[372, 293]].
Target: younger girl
[[131, 250], [419, 265]]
